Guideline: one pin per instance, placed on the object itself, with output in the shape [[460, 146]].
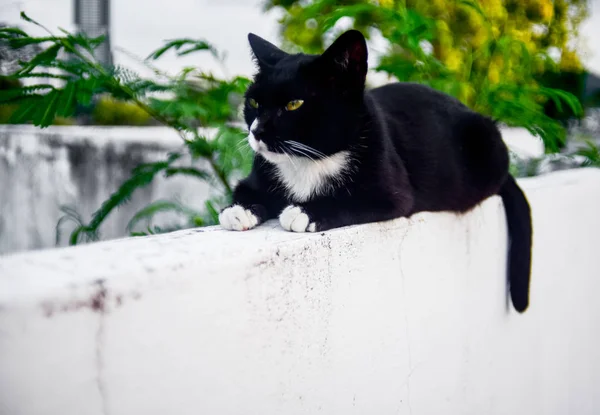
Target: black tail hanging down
[[518, 218]]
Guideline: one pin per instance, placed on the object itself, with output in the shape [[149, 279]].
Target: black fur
[[518, 217], [412, 148]]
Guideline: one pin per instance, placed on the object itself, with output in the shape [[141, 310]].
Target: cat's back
[[412, 98], [445, 146], [417, 118]]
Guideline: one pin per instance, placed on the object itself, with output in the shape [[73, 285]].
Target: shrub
[[486, 54], [181, 102]]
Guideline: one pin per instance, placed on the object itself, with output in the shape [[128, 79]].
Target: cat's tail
[[518, 218]]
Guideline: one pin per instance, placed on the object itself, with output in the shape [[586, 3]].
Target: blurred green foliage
[[119, 96], [7, 110], [6, 113], [456, 27], [486, 53]]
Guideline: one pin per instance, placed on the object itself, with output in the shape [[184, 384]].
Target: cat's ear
[[346, 58], [266, 53]]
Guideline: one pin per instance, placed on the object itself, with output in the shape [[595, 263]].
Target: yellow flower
[[494, 69], [494, 75], [454, 60], [466, 94], [547, 11], [569, 62], [386, 3], [481, 36]]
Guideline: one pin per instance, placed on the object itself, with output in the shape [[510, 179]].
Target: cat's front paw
[[295, 219], [236, 218]]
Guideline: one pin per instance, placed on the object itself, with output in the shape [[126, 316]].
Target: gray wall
[[40, 170]]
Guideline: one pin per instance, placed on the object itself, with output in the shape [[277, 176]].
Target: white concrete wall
[[403, 317], [40, 170]]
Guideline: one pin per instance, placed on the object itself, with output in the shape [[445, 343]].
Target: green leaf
[[212, 211], [20, 93], [9, 32], [20, 42], [25, 110], [142, 175], [475, 6], [74, 238], [45, 57], [188, 171], [192, 45], [27, 18], [80, 39], [149, 211], [33, 75], [47, 112], [70, 215], [66, 105], [200, 147], [591, 152]]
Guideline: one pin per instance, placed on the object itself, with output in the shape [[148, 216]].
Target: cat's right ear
[[345, 61], [266, 53]]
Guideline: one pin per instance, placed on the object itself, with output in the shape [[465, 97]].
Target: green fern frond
[[183, 47], [160, 206], [142, 176], [591, 152]]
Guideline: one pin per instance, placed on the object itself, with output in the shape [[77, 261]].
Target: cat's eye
[[294, 105], [253, 103]]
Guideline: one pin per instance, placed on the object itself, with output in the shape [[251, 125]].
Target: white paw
[[294, 219], [236, 218]]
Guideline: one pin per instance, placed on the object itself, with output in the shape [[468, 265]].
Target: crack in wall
[[407, 331], [100, 307]]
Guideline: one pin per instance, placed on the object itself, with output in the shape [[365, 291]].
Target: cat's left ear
[[266, 53], [346, 58]]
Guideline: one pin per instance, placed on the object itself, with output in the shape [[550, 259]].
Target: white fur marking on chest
[[304, 178]]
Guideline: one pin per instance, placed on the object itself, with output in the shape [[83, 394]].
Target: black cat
[[330, 154]]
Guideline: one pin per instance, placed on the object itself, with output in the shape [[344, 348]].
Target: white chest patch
[[304, 178]]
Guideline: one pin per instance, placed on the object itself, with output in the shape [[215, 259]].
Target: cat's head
[[306, 105]]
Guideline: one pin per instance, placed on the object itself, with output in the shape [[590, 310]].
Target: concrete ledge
[[403, 317]]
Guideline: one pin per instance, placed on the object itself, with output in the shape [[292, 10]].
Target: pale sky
[[140, 26]]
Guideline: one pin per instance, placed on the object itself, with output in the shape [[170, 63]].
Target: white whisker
[[307, 149], [313, 151], [302, 153], [241, 144], [282, 148]]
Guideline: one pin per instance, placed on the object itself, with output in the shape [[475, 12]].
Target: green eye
[[294, 105], [253, 103]]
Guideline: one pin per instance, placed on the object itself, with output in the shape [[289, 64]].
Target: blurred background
[[123, 118]]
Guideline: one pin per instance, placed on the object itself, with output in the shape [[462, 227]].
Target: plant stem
[[220, 175]]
